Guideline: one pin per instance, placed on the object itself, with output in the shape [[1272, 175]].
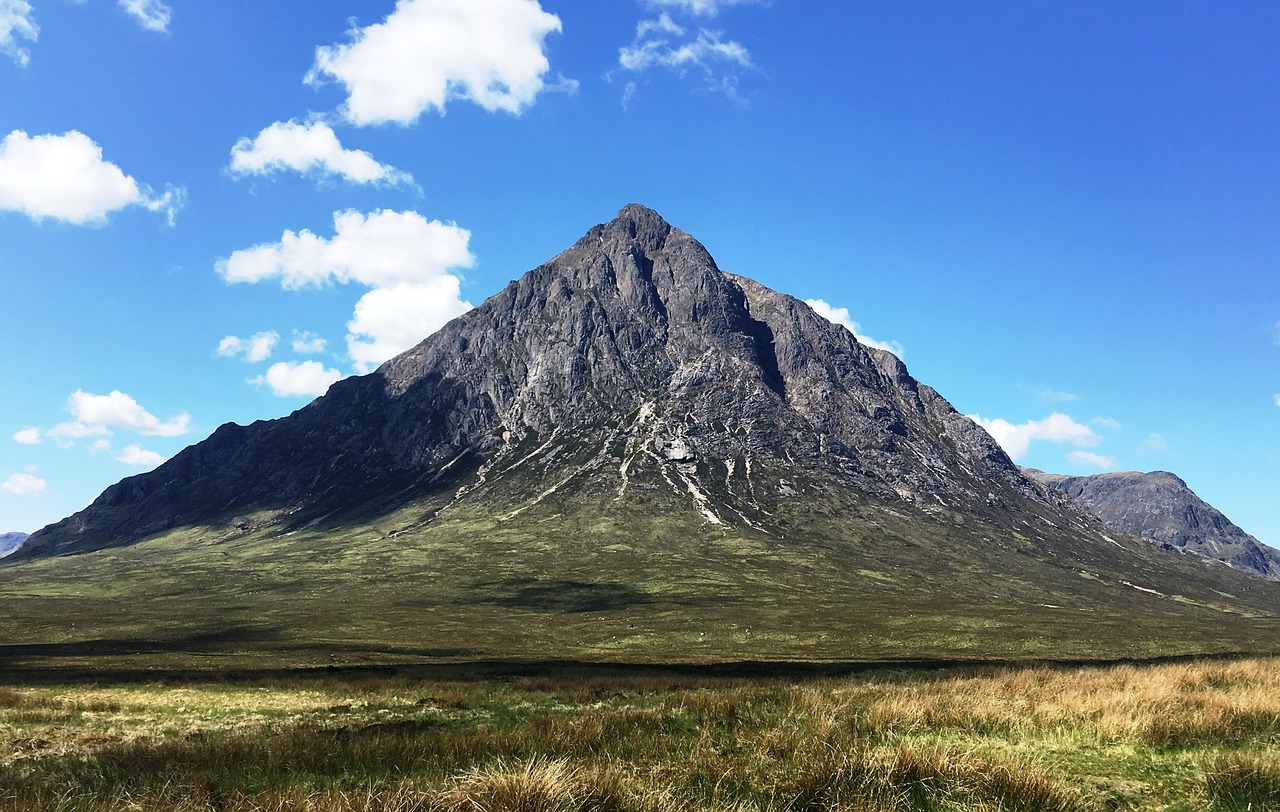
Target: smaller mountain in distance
[[10, 542], [1160, 506]]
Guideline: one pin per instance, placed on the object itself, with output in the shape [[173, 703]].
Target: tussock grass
[[1245, 782], [1177, 736]]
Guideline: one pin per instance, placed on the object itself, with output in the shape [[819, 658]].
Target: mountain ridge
[[1160, 506]]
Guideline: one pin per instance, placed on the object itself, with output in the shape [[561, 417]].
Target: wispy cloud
[[17, 23], [152, 15], [1088, 459]]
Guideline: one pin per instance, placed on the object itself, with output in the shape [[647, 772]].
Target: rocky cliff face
[[10, 542], [635, 358], [1160, 506]]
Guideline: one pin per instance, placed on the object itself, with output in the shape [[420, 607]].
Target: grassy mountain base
[[636, 581], [1175, 737]]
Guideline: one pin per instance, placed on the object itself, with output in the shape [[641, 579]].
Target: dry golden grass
[[1183, 736]]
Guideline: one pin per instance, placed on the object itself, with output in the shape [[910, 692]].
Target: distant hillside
[[1161, 507], [10, 542]]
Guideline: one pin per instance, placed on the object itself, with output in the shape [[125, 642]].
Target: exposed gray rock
[[630, 345], [1160, 506], [9, 542]]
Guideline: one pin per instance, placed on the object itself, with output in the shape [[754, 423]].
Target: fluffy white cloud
[[17, 23], [308, 343], [383, 249], [702, 8], [1056, 428], [402, 256], [97, 414], [389, 321], [294, 379], [1106, 422], [1277, 399], [153, 15], [140, 457], [1102, 462], [429, 52], [309, 148], [64, 177], [27, 437], [24, 485], [840, 315], [256, 348]]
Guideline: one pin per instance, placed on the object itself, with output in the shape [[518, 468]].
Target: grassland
[[1196, 735]]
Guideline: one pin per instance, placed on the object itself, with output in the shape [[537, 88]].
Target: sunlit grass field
[[1201, 735]]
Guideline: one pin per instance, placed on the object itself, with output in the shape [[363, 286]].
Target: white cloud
[[256, 348], [1054, 396], [139, 456], [403, 257], [97, 414], [657, 45], [65, 434], [389, 321], [382, 249], [64, 177], [702, 8], [17, 22], [429, 52], [308, 343], [1056, 428], [100, 446], [1155, 443], [1089, 459], [293, 379], [152, 15], [840, 315], [24, 485], [1277, 399], [309, 148], [27, 437], [1106, 422]]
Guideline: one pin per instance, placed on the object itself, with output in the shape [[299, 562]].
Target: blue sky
[[1063, 215]]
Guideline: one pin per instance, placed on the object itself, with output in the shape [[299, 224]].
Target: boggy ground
[[1175, 736]]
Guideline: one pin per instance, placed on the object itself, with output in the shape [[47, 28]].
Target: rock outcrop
[[1159, 506]]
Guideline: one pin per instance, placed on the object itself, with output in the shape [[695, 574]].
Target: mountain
[[626, 454], [1160, 506], [10, 542]]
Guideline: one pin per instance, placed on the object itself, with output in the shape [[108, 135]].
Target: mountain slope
[[625, 454], [10, 542], [1160, 506]]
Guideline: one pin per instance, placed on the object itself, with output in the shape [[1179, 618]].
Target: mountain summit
[[629, 453], [630, 354]]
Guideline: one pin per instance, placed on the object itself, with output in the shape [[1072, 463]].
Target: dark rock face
[[10, 542], [633, 358], [1161, 507]]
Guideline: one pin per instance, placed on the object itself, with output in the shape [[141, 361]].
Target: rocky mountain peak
[[1159, 506], [630, 357]]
